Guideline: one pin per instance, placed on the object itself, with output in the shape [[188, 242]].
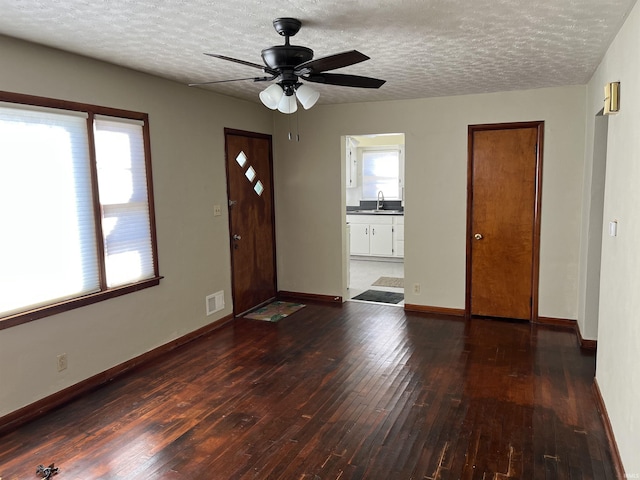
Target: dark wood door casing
[[522, 135], [251, 220]]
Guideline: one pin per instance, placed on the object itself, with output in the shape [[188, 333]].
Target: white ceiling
[[423, 48]]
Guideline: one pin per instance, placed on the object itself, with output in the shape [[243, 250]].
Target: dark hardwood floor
[[336, 392]]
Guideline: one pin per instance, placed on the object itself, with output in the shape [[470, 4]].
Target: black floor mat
[[380, 296]]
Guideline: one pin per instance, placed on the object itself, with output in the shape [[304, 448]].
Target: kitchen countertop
[[375, 212]]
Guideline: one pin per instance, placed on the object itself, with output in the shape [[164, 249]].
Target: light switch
[[613, 228], [217, 210]]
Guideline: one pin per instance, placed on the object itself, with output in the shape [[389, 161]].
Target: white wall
[[618, 371], [187, 148], [310, 199]]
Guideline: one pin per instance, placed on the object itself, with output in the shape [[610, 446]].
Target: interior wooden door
[[251, 218], [503, 220]]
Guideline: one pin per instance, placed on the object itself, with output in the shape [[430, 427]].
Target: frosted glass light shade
[[307, 96], [271, 96], [288, 104]]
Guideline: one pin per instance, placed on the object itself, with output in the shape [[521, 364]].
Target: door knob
[[236, 237], [478, 236]]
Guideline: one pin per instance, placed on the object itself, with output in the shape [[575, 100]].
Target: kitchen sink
[[378, 212]]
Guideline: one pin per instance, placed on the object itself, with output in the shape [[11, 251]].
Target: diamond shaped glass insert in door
[[241, 159], [258, 188]]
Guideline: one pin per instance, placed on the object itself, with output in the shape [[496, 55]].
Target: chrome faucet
[[380, 203]]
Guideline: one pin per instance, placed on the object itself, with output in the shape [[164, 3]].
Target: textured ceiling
[[423, 48]]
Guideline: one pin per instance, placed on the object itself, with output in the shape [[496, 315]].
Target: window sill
[[66, 305]]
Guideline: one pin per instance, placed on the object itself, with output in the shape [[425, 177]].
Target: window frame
[[105, 293]]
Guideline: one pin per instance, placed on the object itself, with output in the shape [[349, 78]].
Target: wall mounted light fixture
[[611, 98]]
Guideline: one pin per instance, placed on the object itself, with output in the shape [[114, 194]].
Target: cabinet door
[[381, 240], [359, 239], [398, 237], [352, 167]]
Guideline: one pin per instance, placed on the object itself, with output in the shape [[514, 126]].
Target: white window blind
[[122, 186], [47, 240], [381, 172]]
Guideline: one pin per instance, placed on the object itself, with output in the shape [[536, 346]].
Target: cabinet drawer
[[371, 219]]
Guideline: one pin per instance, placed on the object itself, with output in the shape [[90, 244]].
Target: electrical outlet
[[416, 288], [62, 362], [217, 210]]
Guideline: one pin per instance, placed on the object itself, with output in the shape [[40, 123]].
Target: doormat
[[380, 296], [274, 311], [395, 282]]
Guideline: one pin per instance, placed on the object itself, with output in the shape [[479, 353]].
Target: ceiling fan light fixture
[[307, 96], [272, 96], [288, 104]]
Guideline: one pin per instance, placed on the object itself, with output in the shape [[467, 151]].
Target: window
[[381, 172], [76, 206]]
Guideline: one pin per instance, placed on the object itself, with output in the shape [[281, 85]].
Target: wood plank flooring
[[336, 392]]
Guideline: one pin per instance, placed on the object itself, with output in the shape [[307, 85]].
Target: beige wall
[[189, 178], [310, 195], [618, 371]]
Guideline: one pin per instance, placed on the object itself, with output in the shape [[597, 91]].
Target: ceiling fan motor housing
[[286, 56]]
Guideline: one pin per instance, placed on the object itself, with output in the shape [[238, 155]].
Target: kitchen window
[[76, 206], [381, 171]]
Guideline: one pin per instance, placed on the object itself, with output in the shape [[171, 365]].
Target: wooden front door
[[251, 218], [504, 220]]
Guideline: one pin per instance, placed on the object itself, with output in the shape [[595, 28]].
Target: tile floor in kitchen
[[364, 272]]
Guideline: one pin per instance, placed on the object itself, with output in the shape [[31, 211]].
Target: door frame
[[269, 138], [535, 260]]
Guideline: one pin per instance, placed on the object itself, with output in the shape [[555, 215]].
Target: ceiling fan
[[288, 64]]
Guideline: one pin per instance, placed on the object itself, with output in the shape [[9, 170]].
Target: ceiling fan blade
[[331, 62], [255, 79], [243, 62], [345, 80]]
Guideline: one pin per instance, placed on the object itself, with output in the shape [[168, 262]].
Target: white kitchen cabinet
[[381, 240], [359, 238], [372, 235], [351, 164], [398, 236]]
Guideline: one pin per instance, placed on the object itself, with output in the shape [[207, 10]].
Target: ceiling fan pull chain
[[297, 127]]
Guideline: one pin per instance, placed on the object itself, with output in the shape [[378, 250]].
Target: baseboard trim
[[585, 343], [565, 323], [440, 311], [30, 412], [569, 324], [308, 297], [613, 445]]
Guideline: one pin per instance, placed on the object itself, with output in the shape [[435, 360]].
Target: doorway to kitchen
[[374, 201]]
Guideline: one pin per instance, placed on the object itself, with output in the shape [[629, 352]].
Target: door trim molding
[[539, 126]]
